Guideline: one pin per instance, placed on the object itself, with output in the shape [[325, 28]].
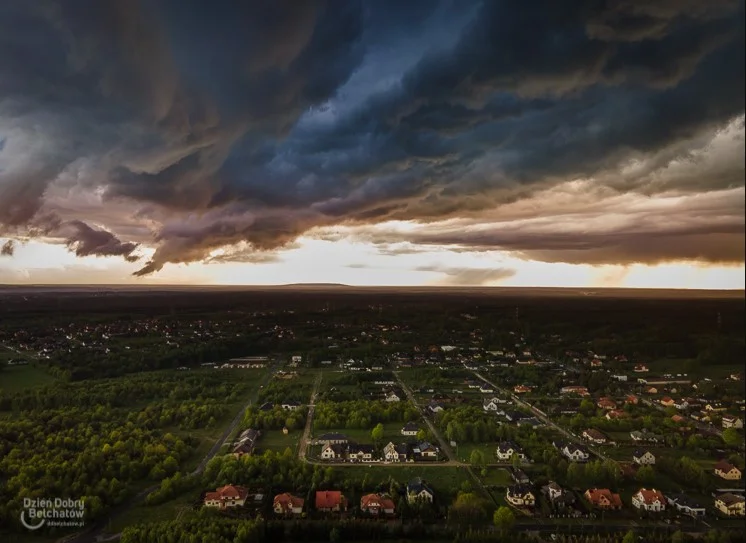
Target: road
[[95, 533], [546, 420], [304, 440]]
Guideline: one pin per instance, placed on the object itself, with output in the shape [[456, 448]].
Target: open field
[[15, 378], [275, 440]]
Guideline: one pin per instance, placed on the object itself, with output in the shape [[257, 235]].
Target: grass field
[[392, 432], [15, 378], [181, 505], [497, 477], [445, 481], [275, 440]]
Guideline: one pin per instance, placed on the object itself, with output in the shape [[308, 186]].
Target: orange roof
[[601, 495], [288, 501], [328, 499], [650, 496], [375, 500], [228, 492]]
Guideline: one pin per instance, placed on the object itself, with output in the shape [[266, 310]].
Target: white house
[[686, 506], [410, 429], [418, 491], [575, 453], [643, 458], [649, 500], [506, 449], [332, 452], [520, 496], [392, 397], [490, 405], [732, 422]]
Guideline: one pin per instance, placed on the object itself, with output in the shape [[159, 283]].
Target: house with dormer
[[520, 495], [410, 429], [286, 504], [226, 497], [603, 498], [333, 452], [731, 505], [362, 453], [330, 501], [685, 505], [649, 500], [506, 449], [377, 505], [643, 457], [726, 470]]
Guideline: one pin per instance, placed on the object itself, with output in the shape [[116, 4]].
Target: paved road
[[546, 420], [95, 533], [303, 444]]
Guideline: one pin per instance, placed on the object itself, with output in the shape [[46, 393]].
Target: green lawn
[[497, 477], [392, 432], [275, 440], [15, 378], [464, 451]]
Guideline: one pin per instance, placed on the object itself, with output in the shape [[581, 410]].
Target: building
[[418, 491], [377, 504], [246, 442], [226, 497], [731, 505], [615, 414], [362, 453], [558, 496], [290, 405], [606, 403], [649, 500], [333, 452], [519, 476], [580, 391], [643, 458], [520, 495], [506, 449], [575, 453], [332, 439], [521, 389], [330, 501], [685, 505], [594, 436], [288, 505], [425, 450], [667, 401], [603, 498], [726, 470], [490, 405], [397, 453], [392, 396], [632, 399], [410, 429], [732, 422]]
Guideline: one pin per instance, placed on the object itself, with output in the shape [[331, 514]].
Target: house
[[730, 504], [643, 458], [246, 442], [558, 496], [332, 439], [226, 497], [425, 450], [667, 401], [636, 435], [287, 505], [580, 391], [435, 407], [651, 390], [575, 453], [330, 501], [392, 396], [726, 470], [520, 495], [681, 404], [615, 414], [603, 498], [596, 363], [518, 476], [732, 422], [410, 429], [640, 368], [486, 389], [678, 419], [268, 406], [362, 453], [418, 491], [649, 500], [333, 452], [632, 399], [606, 403], [397, 453], [685, 505], [506, 449], [490, 405], [521, 389], [377, 504], [290, 405], [594, 436]]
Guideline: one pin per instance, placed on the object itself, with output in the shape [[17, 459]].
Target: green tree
[[377, 433], [476, 457], [630, 537], [645, 475], [503, 519], [422, 435], [732, 437], [678, 537]]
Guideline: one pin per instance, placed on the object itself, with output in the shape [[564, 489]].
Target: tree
[[630, 537], [422, 435], [645, 475], [503, 519], [678, 537], [732, 438], [476, 457], [468, 506], [377, 433]]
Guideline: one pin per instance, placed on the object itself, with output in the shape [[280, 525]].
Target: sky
[[589, 143]]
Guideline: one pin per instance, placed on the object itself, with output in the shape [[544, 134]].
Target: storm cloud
[[224, 131]]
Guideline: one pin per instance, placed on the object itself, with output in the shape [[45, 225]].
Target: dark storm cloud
[[8, 248], [254, 122], [87, 241]]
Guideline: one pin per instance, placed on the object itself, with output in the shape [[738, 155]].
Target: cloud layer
[[218, 131]]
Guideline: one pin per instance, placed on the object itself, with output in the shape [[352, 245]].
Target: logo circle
[[31, 526]]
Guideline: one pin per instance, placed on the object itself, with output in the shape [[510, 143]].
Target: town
[[348, 417]]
